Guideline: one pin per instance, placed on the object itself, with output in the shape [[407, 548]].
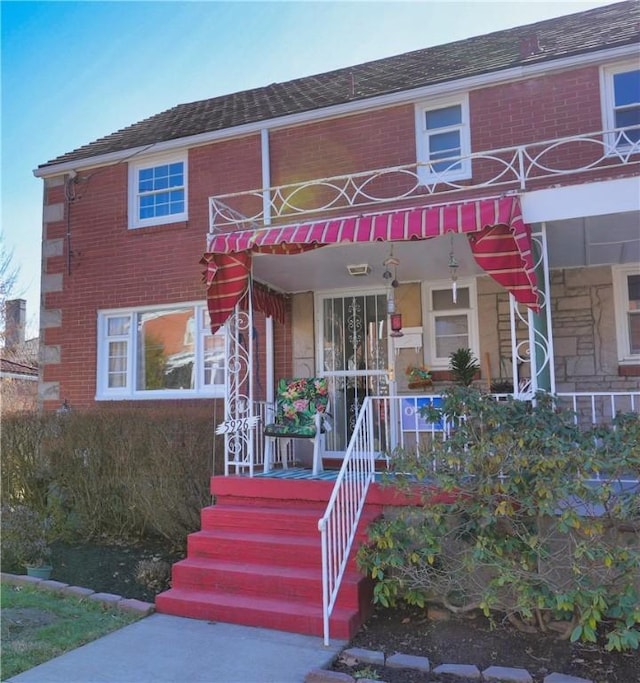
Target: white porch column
[[538, 348], [239, 405], [542, 356]]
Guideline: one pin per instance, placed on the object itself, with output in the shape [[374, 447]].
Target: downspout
[[69, 196], [266, 176], [266, 215]]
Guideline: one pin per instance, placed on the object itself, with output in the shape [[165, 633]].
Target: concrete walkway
[[166, 649]]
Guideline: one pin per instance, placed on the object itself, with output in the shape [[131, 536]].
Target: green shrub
[[113, 472], [522, 532]]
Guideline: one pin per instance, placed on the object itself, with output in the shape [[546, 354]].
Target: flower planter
[[421, 384], [42, 572]]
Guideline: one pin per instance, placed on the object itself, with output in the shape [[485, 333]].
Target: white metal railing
[[598, 407], [388, 423], [505, 169], [339, 523], [401, 426]]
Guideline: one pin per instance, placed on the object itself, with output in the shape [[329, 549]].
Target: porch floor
[[304, 474], [299, 473]]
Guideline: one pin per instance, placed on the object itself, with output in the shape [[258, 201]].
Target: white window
[[443, 142], [157, 191], [450, 325], [621, 105], [626, 291], [166, 352]]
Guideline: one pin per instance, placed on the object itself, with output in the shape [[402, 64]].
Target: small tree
[[463, 366]]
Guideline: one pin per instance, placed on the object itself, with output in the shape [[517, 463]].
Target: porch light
[[358, 269], [396, 324]]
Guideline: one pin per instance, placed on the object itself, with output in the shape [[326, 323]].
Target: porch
[[277, 548], [313, 270]]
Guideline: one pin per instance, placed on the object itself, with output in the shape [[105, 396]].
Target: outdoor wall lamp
[[396, 324]]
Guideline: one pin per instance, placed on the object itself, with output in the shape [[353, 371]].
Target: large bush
[[112, 472], [518, 526]]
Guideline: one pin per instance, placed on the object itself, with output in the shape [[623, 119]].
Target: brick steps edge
[[111, 600], [493, 674]]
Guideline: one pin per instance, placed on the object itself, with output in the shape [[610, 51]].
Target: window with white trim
[[159, 352], [621, 105], [158, 191], [626, 292], [443, 141], [450, 325]]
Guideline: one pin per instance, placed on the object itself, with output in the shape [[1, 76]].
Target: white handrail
[[339, 523]]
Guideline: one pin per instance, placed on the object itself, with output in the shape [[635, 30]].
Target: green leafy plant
[[418, 373], [366, 672], [519, 525], [463, 366]]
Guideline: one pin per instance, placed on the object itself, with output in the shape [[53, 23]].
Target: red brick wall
[[113, 267]]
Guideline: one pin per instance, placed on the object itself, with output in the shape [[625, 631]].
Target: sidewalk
[[167, 649]]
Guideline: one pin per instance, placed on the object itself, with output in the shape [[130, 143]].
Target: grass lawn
[[39, 625]]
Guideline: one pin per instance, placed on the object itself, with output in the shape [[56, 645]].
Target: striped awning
[[500, 242]]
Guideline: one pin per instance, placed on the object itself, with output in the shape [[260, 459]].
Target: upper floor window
[[621, 105], [626, 290], [159, 353], [450, 325], [157, 191], [443, 140]]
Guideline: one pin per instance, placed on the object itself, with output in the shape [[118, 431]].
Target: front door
[[353, 353]]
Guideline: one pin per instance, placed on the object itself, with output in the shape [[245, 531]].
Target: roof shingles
[[597, 29]]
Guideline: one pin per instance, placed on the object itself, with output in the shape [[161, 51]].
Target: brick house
[[18, 362], [485, 190]]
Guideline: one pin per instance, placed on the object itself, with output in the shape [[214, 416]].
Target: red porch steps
[[257, 560]]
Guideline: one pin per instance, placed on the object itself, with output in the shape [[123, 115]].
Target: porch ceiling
[[595, 240], [326, 268]]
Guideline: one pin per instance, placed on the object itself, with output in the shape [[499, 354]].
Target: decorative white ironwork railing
[[599, 407], [388, 423], [339, 523], [506, 169]]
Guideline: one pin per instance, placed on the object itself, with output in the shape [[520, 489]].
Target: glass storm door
[[354, 356]]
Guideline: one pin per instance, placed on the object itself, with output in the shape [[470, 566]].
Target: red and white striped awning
[[499, 239]]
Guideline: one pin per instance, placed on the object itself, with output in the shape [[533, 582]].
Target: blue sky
[[75, 71]]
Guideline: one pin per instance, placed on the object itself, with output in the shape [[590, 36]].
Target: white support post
[[266, 177]]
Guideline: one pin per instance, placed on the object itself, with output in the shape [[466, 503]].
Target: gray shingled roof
[[605, 27]]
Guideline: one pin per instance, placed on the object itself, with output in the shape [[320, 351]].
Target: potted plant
[[24, 540], [463, 366], [419, 376]]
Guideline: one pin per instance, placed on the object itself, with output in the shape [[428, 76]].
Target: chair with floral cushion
[[301, 413]]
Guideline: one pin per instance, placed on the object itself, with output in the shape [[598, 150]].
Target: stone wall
[[583, 325]]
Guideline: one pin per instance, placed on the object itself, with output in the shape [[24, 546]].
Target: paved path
[[166, 649]]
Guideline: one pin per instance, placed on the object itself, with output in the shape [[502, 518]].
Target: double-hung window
[[626, 290], [159, 352], [443, 140], [158, 191], [450, 324], [621, 106]]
